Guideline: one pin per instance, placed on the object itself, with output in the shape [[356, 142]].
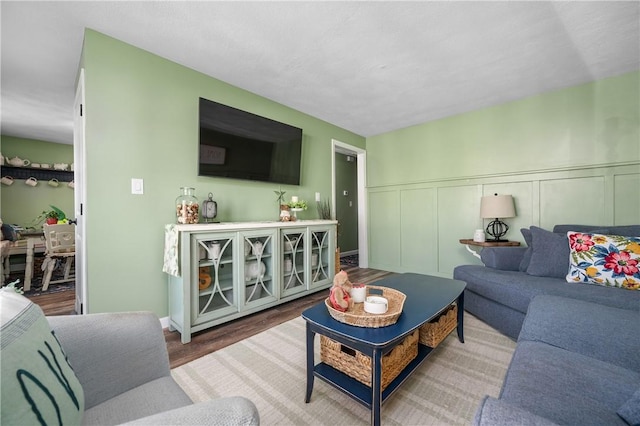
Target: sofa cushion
[[503, 258], [156, 396], [607, 260], [516, 289], [567, 387], [526, 259], [601, 332], [38, 384], [494, 411], [630, 410], [550, 255], [626, 230]]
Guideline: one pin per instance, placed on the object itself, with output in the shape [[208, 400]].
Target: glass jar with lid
[[187, 207]]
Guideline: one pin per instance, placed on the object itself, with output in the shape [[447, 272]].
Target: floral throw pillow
[[607, 260]]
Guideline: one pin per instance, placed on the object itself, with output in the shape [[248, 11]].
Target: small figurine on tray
[[339, 294]]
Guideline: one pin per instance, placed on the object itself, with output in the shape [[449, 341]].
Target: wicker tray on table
[[359, 318]]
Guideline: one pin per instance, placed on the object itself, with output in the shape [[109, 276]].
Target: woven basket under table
[[357, 365], [432, 333]]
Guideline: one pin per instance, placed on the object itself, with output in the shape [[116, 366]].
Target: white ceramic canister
[[214, 250], [376, 305], [358, 293], [478, 236]]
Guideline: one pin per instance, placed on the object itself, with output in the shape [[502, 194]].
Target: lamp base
[[496, 229]]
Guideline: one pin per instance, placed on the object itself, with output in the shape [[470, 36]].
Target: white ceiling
[[369, 67]]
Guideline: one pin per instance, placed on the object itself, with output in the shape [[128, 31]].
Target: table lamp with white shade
[[497, 207]]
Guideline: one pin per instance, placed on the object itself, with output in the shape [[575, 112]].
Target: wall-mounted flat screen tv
[[237, 144]]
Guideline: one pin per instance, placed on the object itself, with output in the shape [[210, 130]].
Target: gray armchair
[[122, 364]]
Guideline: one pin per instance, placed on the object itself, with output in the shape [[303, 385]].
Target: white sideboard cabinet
[[228, 270]]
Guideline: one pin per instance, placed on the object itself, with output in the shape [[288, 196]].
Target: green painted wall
[[595, 123], [570, 156], [347, 206], [142, 122], [21, 203]]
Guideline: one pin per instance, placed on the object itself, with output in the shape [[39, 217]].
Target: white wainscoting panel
[[419, 230], [384, 230], [627, 199], [458, 217], [417, 227]]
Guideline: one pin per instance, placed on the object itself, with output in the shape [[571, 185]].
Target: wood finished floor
[[213, 339]]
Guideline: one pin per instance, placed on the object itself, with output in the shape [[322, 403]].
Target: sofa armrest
[[223, 411], [503, 258], [112, 353], [498, 412]]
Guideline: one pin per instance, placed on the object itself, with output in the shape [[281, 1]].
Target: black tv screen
[[237, 144]]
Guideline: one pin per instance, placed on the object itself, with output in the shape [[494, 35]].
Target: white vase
[[214, 251], [257, 248], [254, 270]]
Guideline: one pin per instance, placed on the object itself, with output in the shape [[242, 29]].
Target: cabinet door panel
[[258, 268], [322, 258], [214, 296], [294, 270]]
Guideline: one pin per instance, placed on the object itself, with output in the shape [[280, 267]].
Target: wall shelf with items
[[229, 270], [38, 173]]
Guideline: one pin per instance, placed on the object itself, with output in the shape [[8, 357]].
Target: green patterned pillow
[[38, 384], [607, 260]]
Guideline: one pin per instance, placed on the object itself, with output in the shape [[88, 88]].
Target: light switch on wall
[[137, 186]]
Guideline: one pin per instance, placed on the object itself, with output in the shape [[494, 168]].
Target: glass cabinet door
[[322, 259], [258, 267], [293, 270], [215, 296]]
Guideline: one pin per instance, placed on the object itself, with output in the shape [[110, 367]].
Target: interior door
[[80, 197]]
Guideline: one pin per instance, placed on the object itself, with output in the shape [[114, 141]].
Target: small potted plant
[[296, 206], [51, 217]]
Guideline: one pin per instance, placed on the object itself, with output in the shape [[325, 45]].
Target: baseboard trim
[[348, 253], [164, 322]]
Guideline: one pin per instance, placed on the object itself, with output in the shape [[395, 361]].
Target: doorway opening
[[352, 154]]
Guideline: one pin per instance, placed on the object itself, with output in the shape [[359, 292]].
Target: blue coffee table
[[427, 297]]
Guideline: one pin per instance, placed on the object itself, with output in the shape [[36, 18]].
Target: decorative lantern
[[209, 209]]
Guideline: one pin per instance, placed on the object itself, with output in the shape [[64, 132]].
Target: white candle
[[294, 199]]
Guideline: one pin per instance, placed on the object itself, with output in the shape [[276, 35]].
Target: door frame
[[80, 195], [361, 154]]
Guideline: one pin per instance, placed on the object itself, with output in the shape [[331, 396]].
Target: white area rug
[[270, 369]]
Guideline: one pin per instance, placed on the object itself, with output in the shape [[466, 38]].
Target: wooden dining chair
[[60, 241]]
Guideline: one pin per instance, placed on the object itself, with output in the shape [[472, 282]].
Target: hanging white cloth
[[171, 261]]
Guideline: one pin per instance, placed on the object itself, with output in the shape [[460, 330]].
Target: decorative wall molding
[[512, 175], [416, 227]]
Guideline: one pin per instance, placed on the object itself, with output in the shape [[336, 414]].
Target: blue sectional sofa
[[577, 358], [576, 363], [499, 292]]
